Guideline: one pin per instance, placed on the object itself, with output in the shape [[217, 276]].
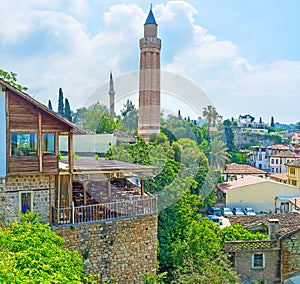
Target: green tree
[[79, 115], [175, 129], [127, 107], [238, 158], [272, 122], [67, 111], [191, 249], [229, 135], [106, 124], [211, 115], [236, 232], [219, 155], [61, 108], [93, 115], [50, 105], [30, 252], [11, 78], [297, 125], [129, 117]]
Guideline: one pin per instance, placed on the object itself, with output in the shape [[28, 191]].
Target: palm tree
[[208, 114], [219, 155], [211, 115]]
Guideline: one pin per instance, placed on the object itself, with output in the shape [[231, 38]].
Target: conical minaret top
[[150, 26], [111, 93]]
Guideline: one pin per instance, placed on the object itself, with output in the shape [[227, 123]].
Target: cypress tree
[[272, 122], [67, 113], [61, 102], [50, 105]]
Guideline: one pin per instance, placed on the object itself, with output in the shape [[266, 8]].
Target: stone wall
[[41, 187], [123, 249], [242, 261], [291, 256]]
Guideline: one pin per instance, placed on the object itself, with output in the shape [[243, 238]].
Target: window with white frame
[[26, 201], [258, 260]]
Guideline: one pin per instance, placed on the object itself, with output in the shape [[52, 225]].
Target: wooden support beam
[[8, 138], [40, 139], [58, 190], [50, 200], [70, 190], [71, 164], [56, 144], [70, 151], [109, 189], [142, 187]]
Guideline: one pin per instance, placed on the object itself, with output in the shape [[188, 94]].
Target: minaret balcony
[[150, 40]]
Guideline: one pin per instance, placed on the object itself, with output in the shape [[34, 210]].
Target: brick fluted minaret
[[111, 93], [149, 84]]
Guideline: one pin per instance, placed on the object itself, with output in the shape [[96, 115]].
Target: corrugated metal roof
[[106, 166]]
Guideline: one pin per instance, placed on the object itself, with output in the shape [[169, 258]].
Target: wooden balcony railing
[[104, 211]]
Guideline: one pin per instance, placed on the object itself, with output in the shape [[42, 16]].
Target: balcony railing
[[104, 211]]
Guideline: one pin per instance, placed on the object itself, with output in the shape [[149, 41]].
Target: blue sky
[[243, 54]]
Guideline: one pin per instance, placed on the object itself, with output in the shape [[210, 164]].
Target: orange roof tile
[[234, 168], [286, 154], [288, 222], [278, 147], [282, 176], [247, 180], [295, 163]]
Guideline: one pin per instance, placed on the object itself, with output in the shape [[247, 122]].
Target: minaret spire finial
[[151, 6], [111, 93]]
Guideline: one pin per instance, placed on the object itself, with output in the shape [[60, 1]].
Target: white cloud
[[48, 44], [231, 81], [65, 55]]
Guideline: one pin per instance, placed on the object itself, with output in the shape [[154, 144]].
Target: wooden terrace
[[102, 190]]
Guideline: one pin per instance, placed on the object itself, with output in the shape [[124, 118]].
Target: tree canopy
[[67, 111], [61, 108], [11, 78], [30, 252]]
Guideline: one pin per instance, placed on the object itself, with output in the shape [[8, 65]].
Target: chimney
[[273, 229]]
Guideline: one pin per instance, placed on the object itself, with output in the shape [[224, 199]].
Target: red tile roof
[[286, 154], [278, 147], [234, 168], [247, 180], [282, 176], [288, 222], [295, 163]]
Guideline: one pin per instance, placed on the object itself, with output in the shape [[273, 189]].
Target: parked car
[[249, 211], [216, 219], [227, 212], [238, 211], [214, 211]]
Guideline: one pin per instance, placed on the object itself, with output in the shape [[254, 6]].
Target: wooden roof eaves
[[36, 103]]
